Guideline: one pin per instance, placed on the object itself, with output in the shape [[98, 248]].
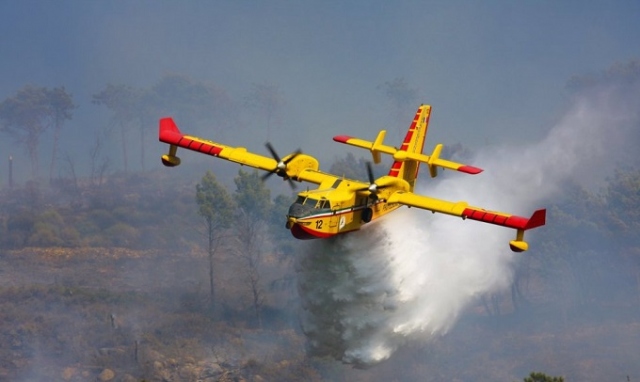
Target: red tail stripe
[[397, 166]]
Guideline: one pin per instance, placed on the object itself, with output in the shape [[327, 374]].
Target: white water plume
[[411, 274]]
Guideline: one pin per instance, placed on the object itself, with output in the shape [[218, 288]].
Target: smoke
[[411, 275]]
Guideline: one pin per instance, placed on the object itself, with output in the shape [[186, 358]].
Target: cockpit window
[[313, 203]]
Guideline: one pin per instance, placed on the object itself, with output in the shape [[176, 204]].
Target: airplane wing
[[169, 133], [295, 166], [462, 209]]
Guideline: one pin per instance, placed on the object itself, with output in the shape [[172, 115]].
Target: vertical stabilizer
[[413, 143]]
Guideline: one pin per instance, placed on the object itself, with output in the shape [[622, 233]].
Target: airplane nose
[[290, 222], [296, 209]]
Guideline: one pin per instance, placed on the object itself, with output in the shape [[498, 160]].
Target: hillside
[[108, 286]]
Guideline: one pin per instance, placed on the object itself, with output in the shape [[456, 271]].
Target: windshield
[[313, 203]]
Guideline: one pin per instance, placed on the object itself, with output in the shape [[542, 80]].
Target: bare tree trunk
[[214, 243], [212, 290], [72, 169], [56, 138], [250, 251], [32, 147]]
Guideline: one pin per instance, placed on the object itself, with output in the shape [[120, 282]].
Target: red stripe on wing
[[511, 221], [202, 147]]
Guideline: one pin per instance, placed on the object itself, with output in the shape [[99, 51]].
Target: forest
[[134, 273]]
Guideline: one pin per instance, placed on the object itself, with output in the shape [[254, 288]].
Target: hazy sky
[[494, 71]]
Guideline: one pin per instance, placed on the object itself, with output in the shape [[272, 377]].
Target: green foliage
[[28, 114], [214, 203], [216, 207], [60, 104], [24, 115], [541, 377], [20, 226], [277, 219], [122, 100], [190, 101], [252, 195], [47, 230], [102, 218], [125, 104], [122, 235]]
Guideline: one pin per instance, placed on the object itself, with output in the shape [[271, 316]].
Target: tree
[[191, 102], [98, 169], [124, 102], [252, 195], [216, 207], [267, 100], [26, 117], [250, 248], [277, 220], [356, 169], [254, 204], [60, 104], [541, 377]]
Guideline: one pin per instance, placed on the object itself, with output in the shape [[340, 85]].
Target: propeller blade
[[273, 152], [281, 166], [267, 175], [295, 154], [370, 173]]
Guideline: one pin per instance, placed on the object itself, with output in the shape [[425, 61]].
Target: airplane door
[[334, 220]]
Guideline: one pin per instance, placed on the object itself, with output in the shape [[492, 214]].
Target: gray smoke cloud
[[411, 275]]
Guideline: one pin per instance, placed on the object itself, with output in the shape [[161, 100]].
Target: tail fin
[[413, 143]]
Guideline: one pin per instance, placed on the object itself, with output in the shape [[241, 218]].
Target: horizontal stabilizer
[[433, 161]]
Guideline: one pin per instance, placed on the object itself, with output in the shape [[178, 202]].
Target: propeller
[[373, 188], [281, 166]]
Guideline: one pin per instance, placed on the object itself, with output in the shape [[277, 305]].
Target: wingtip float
[[340, 205]]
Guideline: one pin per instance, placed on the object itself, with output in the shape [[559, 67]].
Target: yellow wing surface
[[295, 166], [465, 211]]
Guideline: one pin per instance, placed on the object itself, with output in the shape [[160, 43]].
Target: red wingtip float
[[342, 205]]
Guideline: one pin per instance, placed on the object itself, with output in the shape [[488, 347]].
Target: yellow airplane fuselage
[[326, 212]]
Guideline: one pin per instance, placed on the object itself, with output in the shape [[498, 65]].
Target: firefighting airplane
[[342, 205]]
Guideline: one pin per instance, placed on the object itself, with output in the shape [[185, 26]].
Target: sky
[[494, 71]]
